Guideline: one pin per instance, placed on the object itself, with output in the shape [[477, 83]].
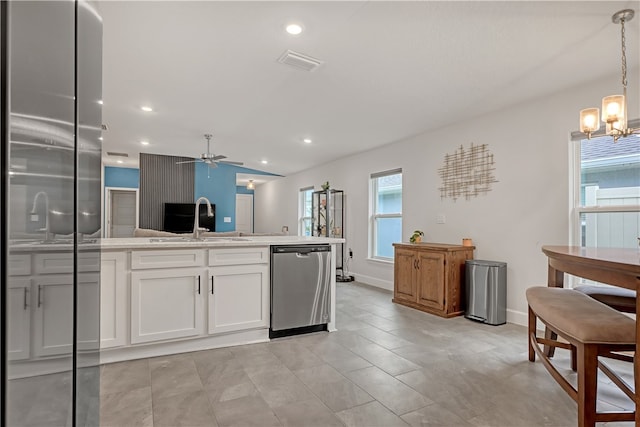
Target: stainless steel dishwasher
[[300, 289]]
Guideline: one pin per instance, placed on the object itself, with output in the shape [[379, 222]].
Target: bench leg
[[532, 330], [587, 384]]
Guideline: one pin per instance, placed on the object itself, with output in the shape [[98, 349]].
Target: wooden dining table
[[613, 266]]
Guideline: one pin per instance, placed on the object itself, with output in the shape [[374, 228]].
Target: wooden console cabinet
[[430, 277]]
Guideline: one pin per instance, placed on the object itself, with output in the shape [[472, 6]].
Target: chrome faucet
[[196, 222], [47, 233]]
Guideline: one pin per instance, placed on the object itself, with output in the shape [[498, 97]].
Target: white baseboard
[[373, 281], [517, 317]]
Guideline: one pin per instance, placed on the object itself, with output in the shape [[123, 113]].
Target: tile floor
[[388, 365]]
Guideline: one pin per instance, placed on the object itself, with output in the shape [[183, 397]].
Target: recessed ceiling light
[[294, 29], [144, 142], [119, 161], [307, 141], [146, 108], [264, 162]]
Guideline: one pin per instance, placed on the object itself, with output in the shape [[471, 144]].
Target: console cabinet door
[[167, 304], [238, 298], [430, 279], [404, 275], [113, 299], [19, 313]]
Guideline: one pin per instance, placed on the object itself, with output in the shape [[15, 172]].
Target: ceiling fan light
[[589, 120]]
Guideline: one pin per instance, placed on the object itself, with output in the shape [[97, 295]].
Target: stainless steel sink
[[170, 239], [225, 239], [190, 239]]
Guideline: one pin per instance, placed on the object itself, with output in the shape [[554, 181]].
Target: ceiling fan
[[209, 158]]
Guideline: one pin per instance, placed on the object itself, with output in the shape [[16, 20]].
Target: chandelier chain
[[624, 58]]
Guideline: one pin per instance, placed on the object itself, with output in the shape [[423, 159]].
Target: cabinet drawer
[[62, 262], [141, 260], [19, 265], [237, 256]]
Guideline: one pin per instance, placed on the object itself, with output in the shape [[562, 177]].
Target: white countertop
[[211, 242], [171, 242]]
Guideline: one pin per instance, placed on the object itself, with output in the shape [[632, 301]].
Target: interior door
[[244, 213], [122, 219]]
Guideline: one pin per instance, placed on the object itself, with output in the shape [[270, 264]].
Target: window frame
[[301, 209], [576, 207], [374, 216]]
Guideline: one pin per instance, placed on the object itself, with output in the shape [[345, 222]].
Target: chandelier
[[614, 107]]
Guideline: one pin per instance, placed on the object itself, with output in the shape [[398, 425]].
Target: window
[[607, 193], [304, 211], [386, 213]]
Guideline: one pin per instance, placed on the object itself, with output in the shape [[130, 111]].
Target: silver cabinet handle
[[39, 295], [26, 303]]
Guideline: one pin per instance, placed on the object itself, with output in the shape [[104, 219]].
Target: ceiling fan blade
[[186, 161], [231, 163], [220, 157]]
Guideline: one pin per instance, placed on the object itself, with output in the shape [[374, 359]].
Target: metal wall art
[[467, 173]]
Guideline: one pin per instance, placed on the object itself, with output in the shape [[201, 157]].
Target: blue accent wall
[[121, 177], [219, 186], [216, 184]]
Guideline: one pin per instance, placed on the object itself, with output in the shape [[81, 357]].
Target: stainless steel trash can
[[486, 291]]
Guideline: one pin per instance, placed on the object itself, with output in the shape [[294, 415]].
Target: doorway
[[121, 216], [244, 213]]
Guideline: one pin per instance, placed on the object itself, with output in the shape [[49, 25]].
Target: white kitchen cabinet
[[238, 256], [167, 258], [19, 313], [113, 299], [238, 298], [167, 304], [88, 297], [53, 315]]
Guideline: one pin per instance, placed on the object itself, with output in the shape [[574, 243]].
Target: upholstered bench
[[591, 329], [619, 298]]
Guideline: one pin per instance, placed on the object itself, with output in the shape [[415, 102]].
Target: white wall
[[528, 207]]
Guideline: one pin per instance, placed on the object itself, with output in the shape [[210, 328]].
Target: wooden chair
[[591, 329], [619, 298]]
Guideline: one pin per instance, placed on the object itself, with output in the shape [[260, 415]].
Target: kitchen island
[[170, 295], [157, 296]]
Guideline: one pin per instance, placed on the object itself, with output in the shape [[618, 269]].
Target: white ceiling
[[392, 69]]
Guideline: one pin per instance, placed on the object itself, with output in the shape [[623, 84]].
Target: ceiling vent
[[299, 61], [114, 154]]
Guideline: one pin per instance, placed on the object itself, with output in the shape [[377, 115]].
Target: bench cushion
[[576, 316], [619, 298]]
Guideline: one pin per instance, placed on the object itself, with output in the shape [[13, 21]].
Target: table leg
[[555, 279]]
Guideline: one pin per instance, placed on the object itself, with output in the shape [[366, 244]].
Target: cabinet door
[[19, 313], [53, 315], [238, 298], [404, 275], [167, 304], [113, 299], [88, 326], [430, 279]]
